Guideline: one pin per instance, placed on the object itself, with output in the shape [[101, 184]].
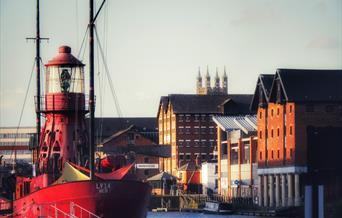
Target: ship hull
[[113, 198]]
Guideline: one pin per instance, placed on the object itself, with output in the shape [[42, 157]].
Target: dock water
[[194, 203]]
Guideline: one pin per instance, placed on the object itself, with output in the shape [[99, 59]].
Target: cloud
[[323, 42]]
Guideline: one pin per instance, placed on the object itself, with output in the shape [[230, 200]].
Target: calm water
[[191, 215]]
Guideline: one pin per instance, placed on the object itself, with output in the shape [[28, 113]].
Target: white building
[[14, 144], [209, 177], [237, 150]]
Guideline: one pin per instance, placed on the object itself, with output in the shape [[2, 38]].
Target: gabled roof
[[192, 103], [105, 126], [117, 134], [305, 85], [163, 104], [237, 104], [206, 104], [265, 83], [247, 124]]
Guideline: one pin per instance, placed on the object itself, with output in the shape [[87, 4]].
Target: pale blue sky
[[155, 47]]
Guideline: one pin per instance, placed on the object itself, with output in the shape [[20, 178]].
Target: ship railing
[[82, 211], [62, 103], [59, 212], [52, 211]]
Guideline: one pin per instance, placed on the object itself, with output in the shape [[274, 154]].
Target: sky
[[155, 47]]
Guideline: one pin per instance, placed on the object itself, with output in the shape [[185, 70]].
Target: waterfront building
[[15, 144], [162, 183], [209, 177], [185, 122], [237, 161], [296, 101], [145, 166]]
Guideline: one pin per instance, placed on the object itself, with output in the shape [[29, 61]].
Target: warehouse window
[[310, 108], [329, 108]]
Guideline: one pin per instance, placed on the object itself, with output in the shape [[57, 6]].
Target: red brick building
[[185, 122], [296, 100], [145, 166]]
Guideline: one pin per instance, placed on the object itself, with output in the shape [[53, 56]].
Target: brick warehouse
[[296, 100], [185, 122], [145, 165]]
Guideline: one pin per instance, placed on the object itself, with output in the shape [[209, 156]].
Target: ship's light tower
[[64, 136]]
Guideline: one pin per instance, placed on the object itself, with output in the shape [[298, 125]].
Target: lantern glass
[[64, 79]]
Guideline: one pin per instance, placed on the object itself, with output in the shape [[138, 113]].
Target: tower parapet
[[207, 89]]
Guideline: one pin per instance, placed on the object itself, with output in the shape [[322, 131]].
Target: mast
[[38, 120], [92, 19], [37, 40], [91, 89]]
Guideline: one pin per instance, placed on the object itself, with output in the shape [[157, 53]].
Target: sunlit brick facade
[[191, 134], [294, 101]]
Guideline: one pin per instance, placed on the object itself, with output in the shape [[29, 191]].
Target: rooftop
[[246, 123]]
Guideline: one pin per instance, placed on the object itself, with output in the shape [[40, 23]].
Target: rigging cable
[[110, 81], [99, 129], [102, 87], [22, 111], [82, 44]]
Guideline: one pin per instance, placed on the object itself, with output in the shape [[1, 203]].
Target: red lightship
[[62, 186], [64, 182]]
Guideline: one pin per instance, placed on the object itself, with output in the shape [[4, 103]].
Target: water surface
[[191, 215]]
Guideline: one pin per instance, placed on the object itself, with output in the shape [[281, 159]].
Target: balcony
[[63, 102]]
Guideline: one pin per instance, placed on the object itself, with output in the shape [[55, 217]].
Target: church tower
[[220, 86], [199, 82], [207, 81], [217, 82], [224, 82]]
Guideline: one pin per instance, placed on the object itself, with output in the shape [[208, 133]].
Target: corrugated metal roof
[[246, 123]]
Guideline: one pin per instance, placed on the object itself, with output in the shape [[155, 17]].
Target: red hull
[[113, 198]]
